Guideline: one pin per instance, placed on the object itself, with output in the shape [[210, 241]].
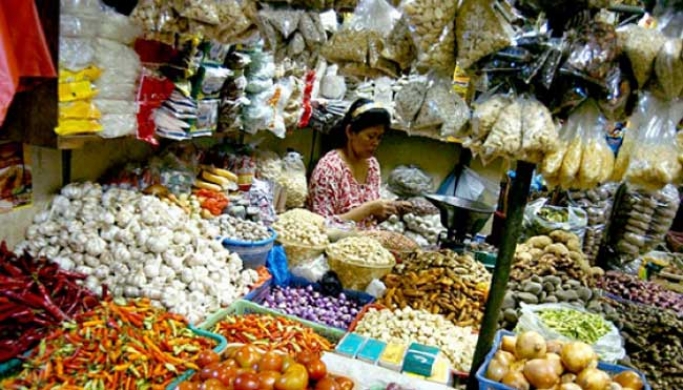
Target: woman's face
[[365, 143]]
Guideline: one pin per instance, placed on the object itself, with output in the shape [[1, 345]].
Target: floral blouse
[[333, 190]]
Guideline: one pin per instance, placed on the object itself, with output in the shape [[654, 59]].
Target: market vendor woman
[[345, 183]]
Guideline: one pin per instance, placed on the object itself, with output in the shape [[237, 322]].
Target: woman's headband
[[365, 108]]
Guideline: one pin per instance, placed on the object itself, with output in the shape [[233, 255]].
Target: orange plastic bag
[[9, 73]]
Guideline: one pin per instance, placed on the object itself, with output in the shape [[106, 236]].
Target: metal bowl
[[461, 215]]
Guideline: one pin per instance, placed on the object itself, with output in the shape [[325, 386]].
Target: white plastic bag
[[609, 347], [312, 271], [116, 107], [115, 126], [376, 288], [76, 53]]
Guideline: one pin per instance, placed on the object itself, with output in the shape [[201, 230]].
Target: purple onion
[[311, 305], [629, 287]]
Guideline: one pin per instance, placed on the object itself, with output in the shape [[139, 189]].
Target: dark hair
[[375, 116]]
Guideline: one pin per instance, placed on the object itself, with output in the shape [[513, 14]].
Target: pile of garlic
[[139, 246], [423, 229]]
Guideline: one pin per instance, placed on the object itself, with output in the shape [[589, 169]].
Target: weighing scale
[[460, 217]]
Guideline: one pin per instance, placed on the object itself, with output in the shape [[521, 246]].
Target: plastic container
[[485, 384], [253, 253], [10, 367], [222, 344], [259, 295], [242, 307]]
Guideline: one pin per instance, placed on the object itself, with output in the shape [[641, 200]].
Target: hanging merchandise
[[486, 110], [641, 45], [408, 99], [592, 52], [668, 69], [597, 203], [480, 30], [359, 42], [653, 162], [443, 109], [432, 24], [641, 220], [399, 47], [583, 159]]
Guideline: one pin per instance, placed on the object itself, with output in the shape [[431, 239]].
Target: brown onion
[[556, 360], [593, 379], [530, 345], [541, 373], [508, 344], [577, 356], [496, 370], [505, 357], [516, 380], [629, 379], [568, 378], [554, 346]]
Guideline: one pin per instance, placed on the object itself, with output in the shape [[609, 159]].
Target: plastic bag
[[442, 106], [597, 158], [475, 187], [81, 90], [539, 134], [277, 265], [80, 6], [408, 99], [480, 30], [597, 203], [609, 347], [410, 181], [505, 138], [82, 109], [115, 126], [78, 126], [668, 70], [432, 24], [399, 46], [124, 91], [91, 73], [201, 10], [116, 107], [119, 61], [76, 53], [79, 26], [654, 160], [486, 111], [312, 271], [641, 45], [536, 224], [117, 27], [293, 179], [641, 220], [593, 52]]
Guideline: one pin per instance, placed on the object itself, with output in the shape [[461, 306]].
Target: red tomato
[[247, 356], [210, 371], [305, 358], [271, 361], [246, 382], [295, 378], [213, 384], [316, 370], [267, 379], [207, 357], [230, 363], [327, 383], [188, 386], [226, 375], [286, 362], [344, 382]]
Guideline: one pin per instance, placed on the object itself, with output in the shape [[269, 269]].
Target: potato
[[558, 250], [574, 245], [562, 236], [539, 242]]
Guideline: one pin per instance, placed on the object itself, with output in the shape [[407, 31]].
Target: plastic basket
[[253, 253], [260, 294], [242, 307], [222, 344], [357, 276], [10, 367], [486, 384]]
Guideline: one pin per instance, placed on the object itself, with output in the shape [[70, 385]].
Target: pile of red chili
[[35, 295], [117, 345]]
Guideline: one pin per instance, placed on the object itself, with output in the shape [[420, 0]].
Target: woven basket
[[356, 276], [300, 254]]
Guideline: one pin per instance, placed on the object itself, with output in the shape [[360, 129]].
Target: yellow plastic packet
[[78, 126], [80, 109], [91, 73], [80, 90]]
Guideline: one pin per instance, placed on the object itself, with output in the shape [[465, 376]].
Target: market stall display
[[652, 340], [132, 344], [631, 288], [403, 326], [359, 260], [36, 295], [529, 361], [139, 246], [597, 203]]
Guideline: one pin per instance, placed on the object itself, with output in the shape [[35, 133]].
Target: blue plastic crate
[[222, 345], [258, 296], [486, 384], [10, 367]]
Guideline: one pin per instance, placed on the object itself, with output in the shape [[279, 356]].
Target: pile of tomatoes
[[247, 368]]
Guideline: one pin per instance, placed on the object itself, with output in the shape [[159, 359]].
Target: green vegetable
[[554, 215], [576, 325]]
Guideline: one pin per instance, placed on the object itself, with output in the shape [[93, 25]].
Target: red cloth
[[333, 190], [28, 39], [9, 73]]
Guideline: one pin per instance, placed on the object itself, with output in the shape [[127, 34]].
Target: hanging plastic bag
[[399, 46], [116, 107], [641, 45], [372, 20], [593, 52], [480, 30], [82, 109], [117, 27], [609, 347], [116, 126], [539, 132], [572, 158], [76, 53], [408, 99], [79, 26], [485, 113], [505, 138], [668, 70], [654, 162], [432, 25], [80, 6], [442, 107]]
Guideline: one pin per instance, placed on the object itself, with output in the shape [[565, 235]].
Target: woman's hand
[[382, 209]]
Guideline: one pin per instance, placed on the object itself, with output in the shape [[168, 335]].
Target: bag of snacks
[[399, 46], [597, 159], [442, 107], [479, 31], [654, 160], [432, 25], [408, 99], [505, 137], [539, 135], [641, 45], [572, 134], [486, 111], [668, 68]]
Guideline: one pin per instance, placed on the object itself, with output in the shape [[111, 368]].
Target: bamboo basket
[[300, 254], [357, 276]]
